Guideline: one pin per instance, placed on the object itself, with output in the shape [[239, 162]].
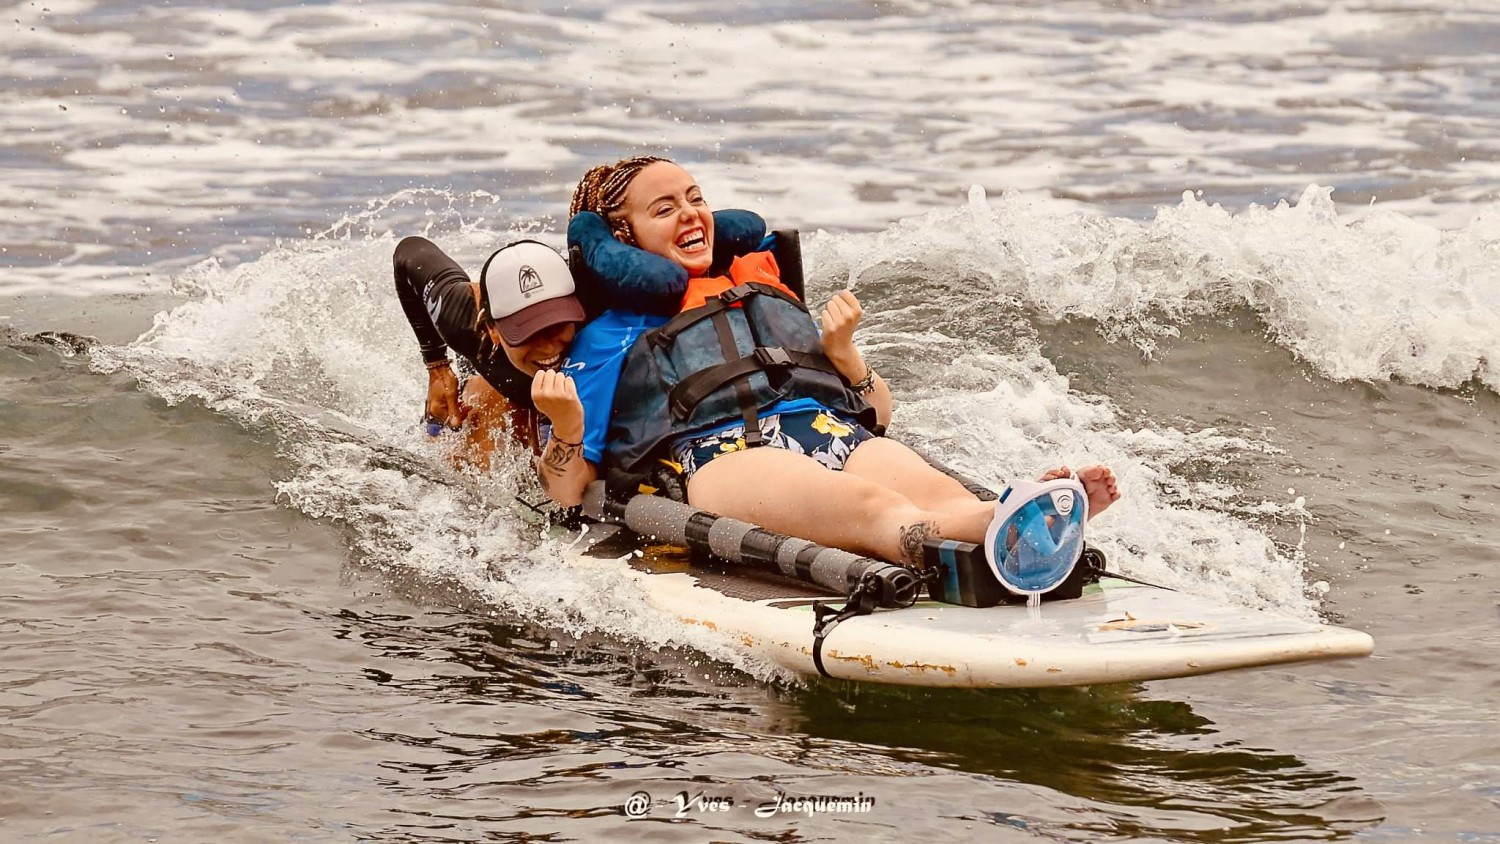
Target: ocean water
[[1247, 254]]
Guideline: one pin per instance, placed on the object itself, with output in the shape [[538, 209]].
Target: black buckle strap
[[688, 392], [863, 599], [768, 290], [736, 293], [773, 356], [662, 337], [665, 335], [749, 410]]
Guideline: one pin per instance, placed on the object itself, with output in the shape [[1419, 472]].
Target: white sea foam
[[1384, 296], [145, 137], [310, 341], [141, 141]]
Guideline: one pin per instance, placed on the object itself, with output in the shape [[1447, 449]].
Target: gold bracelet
[[436, 364]]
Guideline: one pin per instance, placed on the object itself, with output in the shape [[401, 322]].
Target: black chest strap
[[667, 334], [749, 409], [689, 392], [684, 398]]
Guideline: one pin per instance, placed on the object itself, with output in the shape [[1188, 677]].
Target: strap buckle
[[860, 601], [736, 293], [772, 356]]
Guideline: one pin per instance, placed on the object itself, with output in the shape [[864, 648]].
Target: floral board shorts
[[824, 435]]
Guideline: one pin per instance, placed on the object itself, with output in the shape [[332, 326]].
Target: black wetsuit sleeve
[[423, 272], [438, 301]]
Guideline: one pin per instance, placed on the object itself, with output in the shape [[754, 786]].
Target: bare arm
[[839, 320], [562, 468]]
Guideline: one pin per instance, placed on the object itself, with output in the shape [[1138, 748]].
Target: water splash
[[1383, 297]]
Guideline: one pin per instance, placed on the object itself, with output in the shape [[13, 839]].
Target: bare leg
[[896, 467], [794, 494]]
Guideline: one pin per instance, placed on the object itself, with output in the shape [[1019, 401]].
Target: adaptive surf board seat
[[812, 609]]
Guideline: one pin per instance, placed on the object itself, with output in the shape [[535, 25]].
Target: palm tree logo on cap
[[529, 281]]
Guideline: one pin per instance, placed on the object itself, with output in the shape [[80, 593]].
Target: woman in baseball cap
[[516, 321], [527, 305]]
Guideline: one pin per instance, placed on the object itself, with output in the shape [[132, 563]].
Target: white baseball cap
[[526, 287]]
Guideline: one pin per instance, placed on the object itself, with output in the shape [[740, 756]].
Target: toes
[[1101, 474], [1099, 483], [1101, 486]]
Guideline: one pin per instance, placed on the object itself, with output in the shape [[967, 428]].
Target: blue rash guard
[[594, 363]]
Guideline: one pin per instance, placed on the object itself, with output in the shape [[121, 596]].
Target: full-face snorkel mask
[[1036, 536]]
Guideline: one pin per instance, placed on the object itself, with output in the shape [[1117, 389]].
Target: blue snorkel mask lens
[[1036, 537]]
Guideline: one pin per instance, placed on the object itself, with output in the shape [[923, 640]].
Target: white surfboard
[[1117, 632]]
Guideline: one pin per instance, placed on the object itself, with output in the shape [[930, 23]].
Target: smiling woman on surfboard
[[768, 418]]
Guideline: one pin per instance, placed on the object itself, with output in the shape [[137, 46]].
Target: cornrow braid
[[602, 190]]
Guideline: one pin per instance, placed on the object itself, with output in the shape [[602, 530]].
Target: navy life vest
[[734, 356]]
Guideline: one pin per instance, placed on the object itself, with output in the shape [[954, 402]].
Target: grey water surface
[[242, 600]]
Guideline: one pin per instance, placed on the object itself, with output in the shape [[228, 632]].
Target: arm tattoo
[[555, 460], [912, 537], [558, 456]]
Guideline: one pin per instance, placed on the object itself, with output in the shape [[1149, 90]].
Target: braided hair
[[602, 190]]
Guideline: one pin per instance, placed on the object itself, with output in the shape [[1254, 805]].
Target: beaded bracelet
[[865, 385]]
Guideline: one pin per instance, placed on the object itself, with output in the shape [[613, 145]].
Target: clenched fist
[[556, 397], [840, 318]]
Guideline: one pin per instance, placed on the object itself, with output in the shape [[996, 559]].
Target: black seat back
[[788, 252]]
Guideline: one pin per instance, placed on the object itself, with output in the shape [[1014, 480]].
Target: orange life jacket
[[757, 266]]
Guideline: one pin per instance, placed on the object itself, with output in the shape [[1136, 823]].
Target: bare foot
[[1098, 483]]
